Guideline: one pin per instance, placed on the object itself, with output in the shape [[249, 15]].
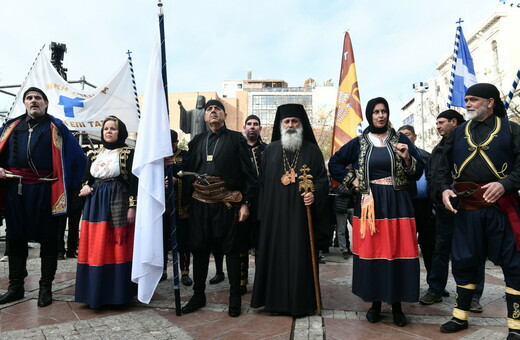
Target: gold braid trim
[[176, 158], [57, 140], [469, 286], [132, 201], [60, 205], [512, 291], [461, 314], [123, 158], [513, 324], [7, 130], [479, 149]]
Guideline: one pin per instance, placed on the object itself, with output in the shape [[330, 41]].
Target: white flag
[[153, 144], [82, 110]]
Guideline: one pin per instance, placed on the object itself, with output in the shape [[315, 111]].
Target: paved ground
[[343, 315]]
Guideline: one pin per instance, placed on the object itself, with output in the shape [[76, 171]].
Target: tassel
[[367, 215]]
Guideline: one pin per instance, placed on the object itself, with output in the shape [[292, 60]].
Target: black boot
[[244, 272], [374, 313], [49, 265], [398, 315], [17, 274], [235, 297]]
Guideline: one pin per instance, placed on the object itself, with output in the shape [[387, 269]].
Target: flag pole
[[512, 91], [173, 225], [454, 61], [337, 99]]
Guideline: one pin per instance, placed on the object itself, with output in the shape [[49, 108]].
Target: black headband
[[35, 89], [451, 114], [255, 117], [216, 103]]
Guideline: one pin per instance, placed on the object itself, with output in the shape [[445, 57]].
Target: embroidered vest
[[495, 150]]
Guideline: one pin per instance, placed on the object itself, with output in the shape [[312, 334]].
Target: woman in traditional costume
[[384, 163], [107, 227]]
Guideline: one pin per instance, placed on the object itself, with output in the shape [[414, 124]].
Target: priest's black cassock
[[283, 278]]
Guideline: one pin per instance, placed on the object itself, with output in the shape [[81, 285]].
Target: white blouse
[[106, 164]]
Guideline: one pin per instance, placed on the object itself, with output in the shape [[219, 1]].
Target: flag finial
[[160, 5]]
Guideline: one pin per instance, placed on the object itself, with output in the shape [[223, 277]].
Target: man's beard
[[292, 138], [252, 137], [478, 113]]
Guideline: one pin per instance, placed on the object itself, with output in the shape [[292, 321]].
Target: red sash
[[508, 203]]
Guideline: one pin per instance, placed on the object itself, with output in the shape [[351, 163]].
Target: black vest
[[496, 150]]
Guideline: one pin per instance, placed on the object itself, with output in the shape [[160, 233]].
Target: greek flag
[[464, 75]]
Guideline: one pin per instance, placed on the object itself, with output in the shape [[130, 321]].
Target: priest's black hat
[[297, 111]]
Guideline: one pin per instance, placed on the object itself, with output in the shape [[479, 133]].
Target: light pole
[[421, 87]]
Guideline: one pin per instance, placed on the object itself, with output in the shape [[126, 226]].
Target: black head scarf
[[216, 103], [293, 110], [486, 91], [369, 111], [451, 114], [122, 134], [35, 89]]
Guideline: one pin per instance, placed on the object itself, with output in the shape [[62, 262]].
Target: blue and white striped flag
[[513, 89], [463, 73]]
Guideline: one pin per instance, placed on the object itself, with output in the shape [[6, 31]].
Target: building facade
[[495, 51]]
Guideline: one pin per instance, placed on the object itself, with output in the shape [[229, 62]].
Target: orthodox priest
[[284, 278]]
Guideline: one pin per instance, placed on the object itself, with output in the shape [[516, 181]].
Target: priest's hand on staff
[[243, 213], [308, 198]]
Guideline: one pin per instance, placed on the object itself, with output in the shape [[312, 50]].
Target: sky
[[395, 43]]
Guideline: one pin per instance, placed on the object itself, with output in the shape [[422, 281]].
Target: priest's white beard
[[291, 138]]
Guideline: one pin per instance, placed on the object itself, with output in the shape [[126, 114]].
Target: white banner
[[82, 110], [153, 144]]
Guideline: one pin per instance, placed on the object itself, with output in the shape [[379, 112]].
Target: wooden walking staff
[[306, 185]]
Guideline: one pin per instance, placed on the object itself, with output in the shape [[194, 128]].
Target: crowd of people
[[241, 196]]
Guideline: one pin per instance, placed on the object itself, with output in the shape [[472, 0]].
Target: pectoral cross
[[292, 175]]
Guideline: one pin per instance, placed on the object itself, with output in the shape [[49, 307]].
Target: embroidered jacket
[[357, 153], [495, 150], [126, 157], [68, 160]]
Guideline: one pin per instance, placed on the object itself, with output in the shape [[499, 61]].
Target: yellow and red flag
[[348, 106]]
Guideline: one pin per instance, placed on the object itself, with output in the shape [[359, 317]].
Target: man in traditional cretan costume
[[220, 202], [40, 161], [483, 157]]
